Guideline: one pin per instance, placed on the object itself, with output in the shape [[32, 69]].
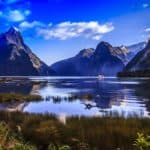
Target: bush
[[142, 142], [22, 146], [9, 141], [64, 147]]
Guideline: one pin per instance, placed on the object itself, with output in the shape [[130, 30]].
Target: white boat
[[101, 76]]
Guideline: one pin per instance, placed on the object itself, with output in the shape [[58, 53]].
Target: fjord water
[[83, 96]]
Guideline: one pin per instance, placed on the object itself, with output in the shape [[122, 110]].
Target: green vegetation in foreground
[[138, 73], [142, 142], [10, 140], [46, 132], [14, 97]]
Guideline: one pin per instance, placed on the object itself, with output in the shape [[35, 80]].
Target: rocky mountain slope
[[141, 61], [134, 49], [105, 59], [16, 58]]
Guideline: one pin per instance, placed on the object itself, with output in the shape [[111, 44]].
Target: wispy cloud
[[14, 15], [145, 5], [97, 37], [12, 11], [66, 30], [28, 25], [147, 30]]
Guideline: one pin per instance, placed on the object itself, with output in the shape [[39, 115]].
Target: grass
[[15, 97], [9, 140], [78, 133]]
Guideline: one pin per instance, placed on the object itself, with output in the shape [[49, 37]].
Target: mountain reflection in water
[[67, 96]]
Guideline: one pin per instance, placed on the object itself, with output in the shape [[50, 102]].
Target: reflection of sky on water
[[86, 96], [123, 82], [50, 90], [74, 108]]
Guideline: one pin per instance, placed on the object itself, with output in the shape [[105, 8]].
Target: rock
[[105, 59], [17, 59]]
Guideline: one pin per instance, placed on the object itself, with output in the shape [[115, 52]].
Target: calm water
[[67, 96]]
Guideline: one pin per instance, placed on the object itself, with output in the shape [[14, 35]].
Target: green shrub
[[1, 147], [21, 146], [64, 147], [142, 142], [9, 141]]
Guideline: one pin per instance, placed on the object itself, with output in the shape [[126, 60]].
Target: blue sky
[[58, 29]]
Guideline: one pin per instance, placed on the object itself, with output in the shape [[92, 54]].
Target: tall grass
[[15, 97], [79, 133], [10, 141]]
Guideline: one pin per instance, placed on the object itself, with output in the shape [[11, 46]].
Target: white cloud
[[14, 15], [97, 37], [27, 25], [145, 5], [66, 30], [147, 30]]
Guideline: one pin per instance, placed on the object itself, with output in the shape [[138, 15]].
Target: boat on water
[[100, 76]]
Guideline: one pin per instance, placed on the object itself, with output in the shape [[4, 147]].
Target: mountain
[[105, 59], [134, 49], [75, 66], [141, 61], [16, 58]]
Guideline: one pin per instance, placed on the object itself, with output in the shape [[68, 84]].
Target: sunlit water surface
[[83, 96]]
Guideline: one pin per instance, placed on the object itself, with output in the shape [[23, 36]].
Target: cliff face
[[134, 49], [105, 59], [141, 61], [16, 58], [75, 66]]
